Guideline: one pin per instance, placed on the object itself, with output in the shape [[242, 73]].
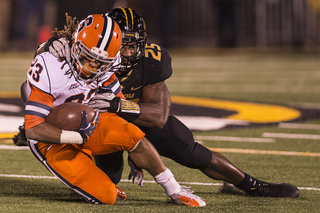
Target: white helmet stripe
[[106, 34]]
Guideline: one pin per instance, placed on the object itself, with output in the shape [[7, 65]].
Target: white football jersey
[[53, 84], [48, 74]]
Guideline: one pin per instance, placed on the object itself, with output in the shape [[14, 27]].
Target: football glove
[[106, 101], [86, 129], [59, 48], [136, 173], [20, 139]]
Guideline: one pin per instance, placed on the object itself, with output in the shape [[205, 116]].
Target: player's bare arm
[[155, 106], [44, 132]]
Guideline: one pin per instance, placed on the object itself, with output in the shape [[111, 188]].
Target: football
[[67, 116]]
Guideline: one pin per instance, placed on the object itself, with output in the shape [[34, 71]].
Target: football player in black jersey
[[144, 69]]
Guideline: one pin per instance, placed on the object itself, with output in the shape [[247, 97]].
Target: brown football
[[67, 116]]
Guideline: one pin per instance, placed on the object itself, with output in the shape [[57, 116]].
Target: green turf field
[[279, 152]]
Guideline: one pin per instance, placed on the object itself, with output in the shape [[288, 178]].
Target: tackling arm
[[155, 105]]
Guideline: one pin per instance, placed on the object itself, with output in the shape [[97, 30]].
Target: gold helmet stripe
[[126, 12]]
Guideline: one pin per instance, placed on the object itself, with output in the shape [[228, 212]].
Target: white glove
[[60, 48], [105, 102]]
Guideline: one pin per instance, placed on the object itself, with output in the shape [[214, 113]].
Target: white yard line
[[145, 181], [235, 139], [28, 176], [299, 126], [11, 147], [264, 152], [290, 136]]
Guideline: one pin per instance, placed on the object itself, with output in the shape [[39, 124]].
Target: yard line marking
[[190, 183], [290, 136], [264, 152], [299, 126], [202, 184], [29, 176], [309, 188], [10, 147], [226, 150], [145, 181], [235, 139], [122, 180]]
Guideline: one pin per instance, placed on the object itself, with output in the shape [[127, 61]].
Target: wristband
[[129, 107], [70, 137], [130, 111]]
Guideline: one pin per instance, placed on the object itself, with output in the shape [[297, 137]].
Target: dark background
[[175, 23]]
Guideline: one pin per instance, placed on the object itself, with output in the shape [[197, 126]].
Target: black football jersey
[[153, 67]]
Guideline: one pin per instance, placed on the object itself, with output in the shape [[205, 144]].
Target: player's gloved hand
[[59, 48], [86, 129], [136, 173], [105, 101]]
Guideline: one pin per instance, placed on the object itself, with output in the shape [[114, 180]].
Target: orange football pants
[[74, 165]]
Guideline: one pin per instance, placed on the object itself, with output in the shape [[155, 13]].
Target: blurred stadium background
[[175, 23], [260, 51]]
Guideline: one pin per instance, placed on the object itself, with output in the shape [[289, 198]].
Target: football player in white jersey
[[68, 154]]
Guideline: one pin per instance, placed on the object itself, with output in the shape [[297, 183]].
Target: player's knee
[[198, 156], [105, 195], [110, 195], [72, 163]]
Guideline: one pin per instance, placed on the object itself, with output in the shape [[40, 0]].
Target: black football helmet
[[133, 30]]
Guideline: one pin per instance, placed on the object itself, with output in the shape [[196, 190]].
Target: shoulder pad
[[157, 62], [44, 72]]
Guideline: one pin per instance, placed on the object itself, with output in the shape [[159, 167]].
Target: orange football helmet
[[97, 38]]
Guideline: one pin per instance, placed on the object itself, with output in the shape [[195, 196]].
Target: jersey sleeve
[[166, 66], [37, 108], [47, 73], [113, 84], [38, 75], [40, 101], [157, 64]]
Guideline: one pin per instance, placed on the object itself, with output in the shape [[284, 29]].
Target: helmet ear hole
[[133, 30]]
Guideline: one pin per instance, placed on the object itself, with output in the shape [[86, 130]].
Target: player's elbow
[[160, 122], [30, 134]]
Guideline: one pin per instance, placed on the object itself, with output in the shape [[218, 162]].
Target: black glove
[[20, 139]]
